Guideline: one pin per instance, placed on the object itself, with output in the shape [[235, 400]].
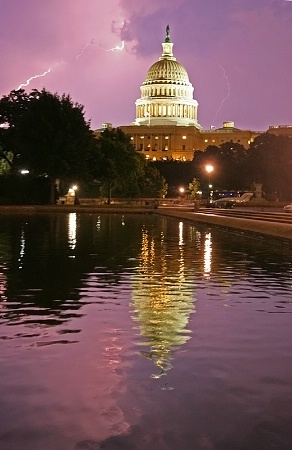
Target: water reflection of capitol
[[163, 292]]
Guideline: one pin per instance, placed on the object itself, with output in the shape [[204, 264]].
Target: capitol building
[[166, 124]]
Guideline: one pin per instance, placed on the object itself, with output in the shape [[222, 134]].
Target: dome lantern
[[167, 46]]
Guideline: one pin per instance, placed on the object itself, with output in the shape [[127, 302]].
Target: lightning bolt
[[91, 43], [117, 47], [33, 78], [85, 47], [228, 92]]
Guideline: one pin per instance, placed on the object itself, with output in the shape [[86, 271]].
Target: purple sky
[[238, 54]]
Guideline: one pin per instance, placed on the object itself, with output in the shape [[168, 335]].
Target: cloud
[[249, 39]]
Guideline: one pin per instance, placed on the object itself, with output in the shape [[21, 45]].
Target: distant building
[[166, 124], [281, 130]]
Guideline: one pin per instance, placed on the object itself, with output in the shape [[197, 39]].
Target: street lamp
[[74, 195], [181, 193], [209, 170]]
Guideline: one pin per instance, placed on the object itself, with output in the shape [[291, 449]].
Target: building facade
[[166, 124]]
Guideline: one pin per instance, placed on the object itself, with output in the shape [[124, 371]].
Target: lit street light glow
[[209, 168]]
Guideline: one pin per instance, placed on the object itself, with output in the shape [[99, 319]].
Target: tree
[[153, 184], [232, 159], [47, 135], [175, 173], [194, 187], [116, 164], [229, 162], [5, 162], [12, 108], [270, 163]]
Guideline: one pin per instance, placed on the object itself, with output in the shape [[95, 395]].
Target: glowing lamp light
[[181, 190], [209, 168]]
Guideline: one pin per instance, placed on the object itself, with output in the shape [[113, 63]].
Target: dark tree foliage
[[26, 190], [116, 164], [47, 135], [175, 173], [152, 184], [12, 109], [122, 171], [270, 163], [229, 163]]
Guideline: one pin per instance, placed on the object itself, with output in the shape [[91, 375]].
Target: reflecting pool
[[141, 332]]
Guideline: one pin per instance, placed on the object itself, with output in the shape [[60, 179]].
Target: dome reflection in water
[[162, 300]]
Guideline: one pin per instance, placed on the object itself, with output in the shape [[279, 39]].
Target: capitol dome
[[167, 70], [166, 93]]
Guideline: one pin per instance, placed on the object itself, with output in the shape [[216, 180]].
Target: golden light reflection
[[3, 287], [181, 233], [22, 249], [207, 254], [72, 227], [181, 271], [98, 223], [161, 299]]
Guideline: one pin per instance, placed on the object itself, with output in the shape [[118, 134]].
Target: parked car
[[288, 208], [230, 202]]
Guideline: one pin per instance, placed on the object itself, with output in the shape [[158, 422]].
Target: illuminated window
[[206, 140], [156, 137], [184, 137], [147, 156], [165, 148], [154, 159], [141, 137], [166, 137], [132, 138], [213, 140]]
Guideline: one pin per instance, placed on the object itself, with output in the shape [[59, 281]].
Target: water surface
[[139, 332]]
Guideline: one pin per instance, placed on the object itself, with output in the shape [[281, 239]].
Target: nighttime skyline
[[237, 54]]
